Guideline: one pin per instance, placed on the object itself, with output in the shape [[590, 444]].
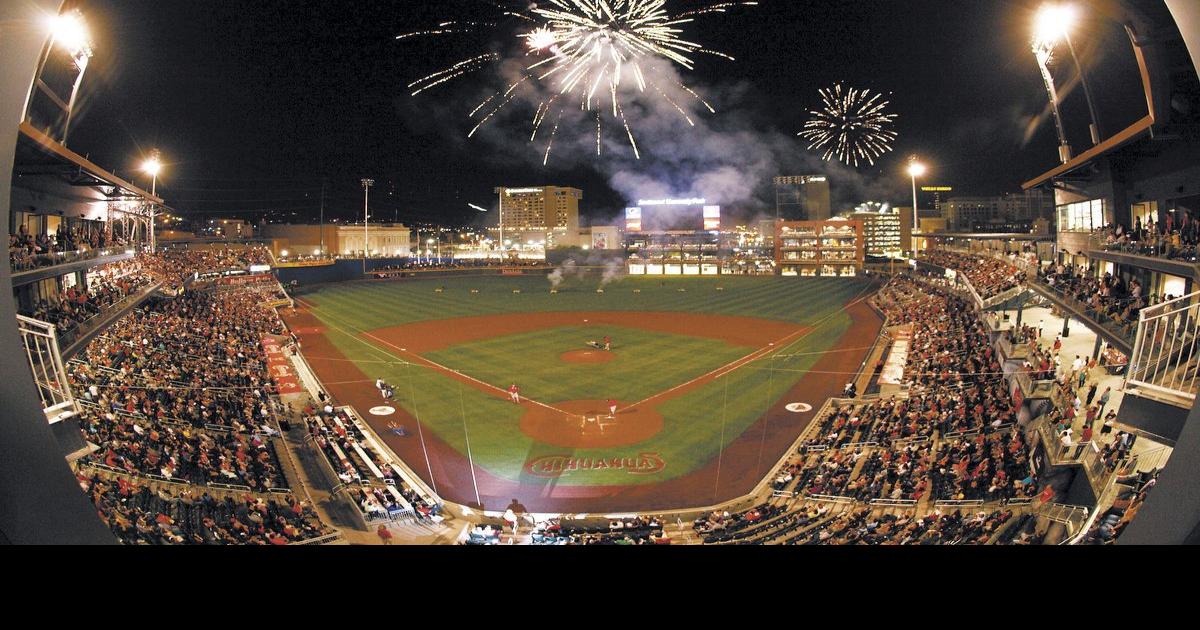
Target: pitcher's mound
[[586, 424], [587, 356]]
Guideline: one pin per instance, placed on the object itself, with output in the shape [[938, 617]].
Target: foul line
[[781, 344], [437, 366]]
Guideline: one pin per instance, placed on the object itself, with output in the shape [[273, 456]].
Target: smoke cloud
[[685, 150]]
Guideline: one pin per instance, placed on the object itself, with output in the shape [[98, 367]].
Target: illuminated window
[[1083, 216]]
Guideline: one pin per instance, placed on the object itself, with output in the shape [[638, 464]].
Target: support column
[[1099, 345], [1066, 332]]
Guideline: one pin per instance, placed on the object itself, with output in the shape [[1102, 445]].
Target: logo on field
[[553, 466], [382, 411], [799, 408]]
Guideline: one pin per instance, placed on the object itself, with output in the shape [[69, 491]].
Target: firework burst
[[583, 51], [852, 126]]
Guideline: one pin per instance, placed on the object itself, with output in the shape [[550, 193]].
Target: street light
[[1054, 23], [915, 170]]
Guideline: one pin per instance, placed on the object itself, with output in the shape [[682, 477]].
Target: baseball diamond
[[700, 380]]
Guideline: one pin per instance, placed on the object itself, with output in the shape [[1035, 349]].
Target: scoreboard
[[655, 215]]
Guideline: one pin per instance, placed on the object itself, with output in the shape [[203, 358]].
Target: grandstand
[[196, 394]]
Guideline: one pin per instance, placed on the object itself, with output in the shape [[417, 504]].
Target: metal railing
[[51, 259], [1075, 517], [1093, 316], [1165, 359], [46, 365]]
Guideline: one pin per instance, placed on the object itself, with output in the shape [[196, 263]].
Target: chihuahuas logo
[[553, 466]]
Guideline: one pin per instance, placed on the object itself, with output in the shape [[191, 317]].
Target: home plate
[[798, 407], [382, 411]]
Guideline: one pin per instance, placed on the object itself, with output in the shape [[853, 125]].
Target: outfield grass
[[694, 422]]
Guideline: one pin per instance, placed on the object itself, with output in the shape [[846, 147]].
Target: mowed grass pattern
[[697, 425], [644, 363]]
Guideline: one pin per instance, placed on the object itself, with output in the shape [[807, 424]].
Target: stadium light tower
[[152, 167], [366, 184], [915, 170], [1054, 23]]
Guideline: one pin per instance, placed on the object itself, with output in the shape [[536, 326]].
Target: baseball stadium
[[311, 335], [701, 371]]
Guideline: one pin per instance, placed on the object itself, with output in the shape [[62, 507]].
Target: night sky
[[254, 103]]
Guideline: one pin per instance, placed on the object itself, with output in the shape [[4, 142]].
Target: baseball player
[[607, 343], [514, 393], [612, 408]]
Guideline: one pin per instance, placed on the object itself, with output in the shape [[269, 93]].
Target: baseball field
[[701, 372]]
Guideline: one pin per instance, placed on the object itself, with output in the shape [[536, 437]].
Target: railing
[[1154, 248], [829, 498], [1165, 358], [46, 365], [893, 502], [1153, 459], [320, 540], [1085, 454], [1094, 317], [88, 326], [51, 259], [1035, 389], [961, 503], [1075, 517], [1002, 297]]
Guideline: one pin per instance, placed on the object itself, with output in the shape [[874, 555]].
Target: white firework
[[852, 125], [583, 51]]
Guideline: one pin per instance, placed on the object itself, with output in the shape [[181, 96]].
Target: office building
[[802, 198], [832, 248]]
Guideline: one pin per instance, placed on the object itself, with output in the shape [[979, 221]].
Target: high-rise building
[[802, 198], [887, 232], [540, 208]]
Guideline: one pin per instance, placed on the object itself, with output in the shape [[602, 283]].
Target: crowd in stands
[[29, 251], [1108, 299], [138, 515], [816, 523], [179, 389], [634, 530], [955, 437], [107, 285], [989, 276], [1130, 498], [1174, 237], [175, 265]]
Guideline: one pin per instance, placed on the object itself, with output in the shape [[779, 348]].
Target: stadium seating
[[989, 276], [178, 392]]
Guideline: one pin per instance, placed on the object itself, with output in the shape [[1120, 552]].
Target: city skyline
[[315, 99]]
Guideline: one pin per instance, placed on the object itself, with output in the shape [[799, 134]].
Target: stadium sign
[[554, 466]]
